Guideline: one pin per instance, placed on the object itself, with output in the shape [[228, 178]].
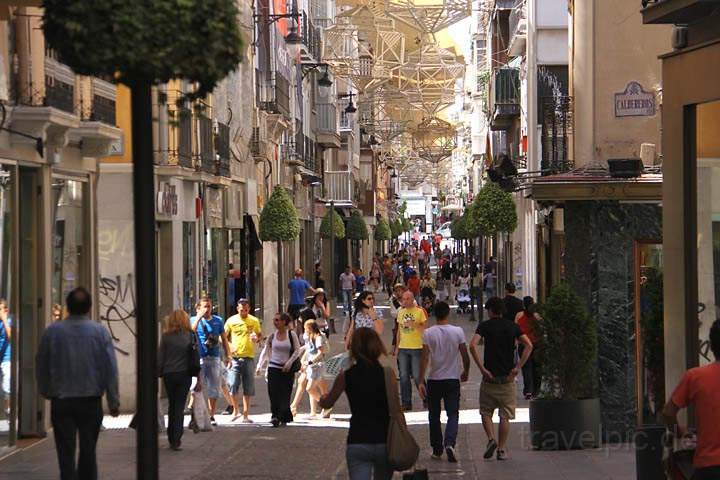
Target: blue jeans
[[409, 365], [368, 461], [347, 300], [449, 392]]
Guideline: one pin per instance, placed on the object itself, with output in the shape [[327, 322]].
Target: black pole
[[145, 281]]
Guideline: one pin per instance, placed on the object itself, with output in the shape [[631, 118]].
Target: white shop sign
[[634, 102]]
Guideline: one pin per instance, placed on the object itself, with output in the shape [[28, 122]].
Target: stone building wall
[[599, 264]]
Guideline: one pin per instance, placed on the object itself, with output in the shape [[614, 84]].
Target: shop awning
[[596, 184]]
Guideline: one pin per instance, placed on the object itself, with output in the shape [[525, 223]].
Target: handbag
[[295, 367], [194, 357], [402, 449]]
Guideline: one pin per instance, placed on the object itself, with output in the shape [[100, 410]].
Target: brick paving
[[315, 449]]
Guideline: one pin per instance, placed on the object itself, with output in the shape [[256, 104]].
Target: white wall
[[552, 47], [551, 14]]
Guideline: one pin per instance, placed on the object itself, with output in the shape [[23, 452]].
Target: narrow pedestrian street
[[314, 449]]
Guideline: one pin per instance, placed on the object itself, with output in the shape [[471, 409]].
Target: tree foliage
[[338, 227], [140, 41], [568, 347], [279, 218], [382, 230], [458, 227], [357, 228], [396, 227], [493, 210]]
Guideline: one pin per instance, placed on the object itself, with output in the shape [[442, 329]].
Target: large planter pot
[[565, 424], [649, 445]]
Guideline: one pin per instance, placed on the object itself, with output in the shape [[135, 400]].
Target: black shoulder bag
[[193, 356], [295, 367]]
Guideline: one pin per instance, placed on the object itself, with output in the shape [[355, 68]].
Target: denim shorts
[[5, 374], [211, 368], [242, 374]]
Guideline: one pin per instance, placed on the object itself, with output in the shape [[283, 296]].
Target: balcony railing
[[102, 109], [505, 97], [205, 157], [273, 94], [310, 36], [327, 120], [179, 135], [340, 187], [222, 147], [557, 130]]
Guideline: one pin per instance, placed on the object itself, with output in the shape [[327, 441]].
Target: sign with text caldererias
[[635, 102]]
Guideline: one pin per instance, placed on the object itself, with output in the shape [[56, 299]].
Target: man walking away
[[211, 334], [243, 331], [76, 366], [443, 348], [411, 321], [513, 305], [700, 387], [347, 285], [497, 390], [298, 286]]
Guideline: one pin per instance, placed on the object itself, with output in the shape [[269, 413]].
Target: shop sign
[[634, 102], [167, 199]]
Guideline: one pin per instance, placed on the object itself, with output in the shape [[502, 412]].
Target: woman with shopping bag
[[378, 440]]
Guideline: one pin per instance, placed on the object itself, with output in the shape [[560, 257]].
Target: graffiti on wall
[[117, 304]]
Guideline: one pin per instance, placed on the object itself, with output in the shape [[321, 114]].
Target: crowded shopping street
[[360, 239]]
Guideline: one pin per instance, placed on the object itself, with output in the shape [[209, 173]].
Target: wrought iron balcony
[[222, 147], [310, 39], [102, 109], [557, 130], [205, 157], [327, 129], [677, 12], [339, 187], [176, 131], [273, 94], [505, 97], [57, 89]]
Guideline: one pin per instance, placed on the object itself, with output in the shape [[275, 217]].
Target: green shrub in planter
[[279, 220], [396, 227], [568, 413], [458, 227], [334, 219], [493, 210], [356, 228], [382, 230]]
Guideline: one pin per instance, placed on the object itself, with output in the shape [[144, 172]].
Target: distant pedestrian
[[365, 316], [211, 336], [243, 331], [411, 321], [320, 308], [347, 286], [512, 304], [76, 366], [497, 390], [359, 280], [282, 348], [375, 275], [528, 320], [443, 349], [319, 280], [174, 368], [6, 322], [364, 385], [298, 286], [413, 285]]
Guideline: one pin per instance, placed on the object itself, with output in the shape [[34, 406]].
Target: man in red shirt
[[701, 387]]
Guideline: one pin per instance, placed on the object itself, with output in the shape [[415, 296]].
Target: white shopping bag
[[335, 365], [200, 412]]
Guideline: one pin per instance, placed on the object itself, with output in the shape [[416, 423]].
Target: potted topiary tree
[[567, 415], [279, 223], [357, 229], [382, 232], [332, 227]]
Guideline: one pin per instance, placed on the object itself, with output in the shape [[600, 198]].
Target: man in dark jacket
[[513, 305]]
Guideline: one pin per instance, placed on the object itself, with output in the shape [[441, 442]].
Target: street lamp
[[350, 106], [324, 84]]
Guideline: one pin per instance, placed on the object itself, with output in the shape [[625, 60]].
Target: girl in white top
[[316, 348], [281, 350], [365, 316]]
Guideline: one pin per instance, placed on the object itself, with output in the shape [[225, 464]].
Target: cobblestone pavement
[[312, 449]]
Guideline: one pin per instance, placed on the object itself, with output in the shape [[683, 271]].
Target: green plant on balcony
[[493, 210], [279, 220], [332, 225], [357, 228], [382, 230], [133, 41]]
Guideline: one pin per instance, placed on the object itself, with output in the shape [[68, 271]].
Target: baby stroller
[[463, 300]]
